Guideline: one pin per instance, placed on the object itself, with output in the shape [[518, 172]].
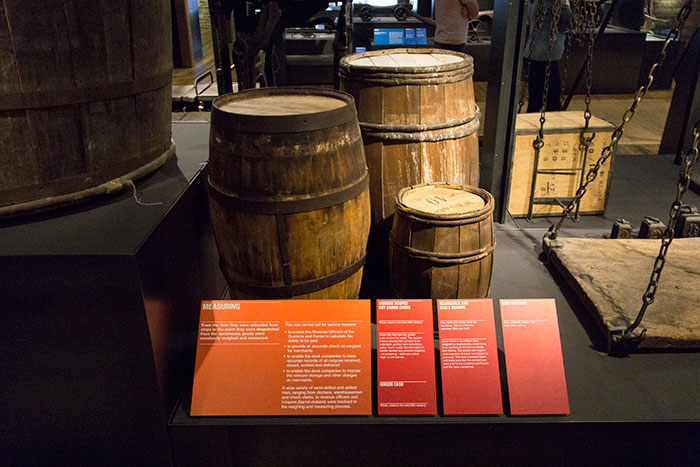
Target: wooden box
[[560, 163]]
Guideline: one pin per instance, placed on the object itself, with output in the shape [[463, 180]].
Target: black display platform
[[99, 308], [639, 410]]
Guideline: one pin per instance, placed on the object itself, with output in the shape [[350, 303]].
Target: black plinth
[[98, 309], [630, 411], [639, 410]]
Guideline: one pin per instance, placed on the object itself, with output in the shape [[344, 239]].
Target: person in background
[[537, 53], [452, 22]]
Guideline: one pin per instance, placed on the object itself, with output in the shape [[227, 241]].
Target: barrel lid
[[444, 202], [293, 104], [405, 63], [283, 110]]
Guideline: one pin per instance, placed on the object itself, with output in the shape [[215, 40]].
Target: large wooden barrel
[[289, 193], [419, 124], [442, 242], [418, 118], [84, 98]]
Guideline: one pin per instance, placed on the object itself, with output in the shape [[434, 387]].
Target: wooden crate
[[561, 152]]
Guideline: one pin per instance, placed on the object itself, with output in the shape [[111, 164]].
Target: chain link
[[539, 20], [691, 158], [672, 35]]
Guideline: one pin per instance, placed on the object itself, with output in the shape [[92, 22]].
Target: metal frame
[[507, 42]]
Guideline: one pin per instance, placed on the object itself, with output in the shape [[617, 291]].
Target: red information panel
[[534, 364], [471, 383], [291, 357], [405, 357]]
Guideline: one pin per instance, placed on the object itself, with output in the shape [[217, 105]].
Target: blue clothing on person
[[540, 48]]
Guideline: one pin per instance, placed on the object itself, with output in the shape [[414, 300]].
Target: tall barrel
[[419, 123], [84, 98], [289, 193], [418, 118], [442, 242]]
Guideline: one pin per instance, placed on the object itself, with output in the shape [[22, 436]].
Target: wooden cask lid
[[283, 110], [442, 202], [282, 105], [407, 66]]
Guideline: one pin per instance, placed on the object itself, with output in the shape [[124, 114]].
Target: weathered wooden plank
[[18, 165], [9, 74], [109, 129], [611, 291], [40, 38], [100, 41], [58, 138]]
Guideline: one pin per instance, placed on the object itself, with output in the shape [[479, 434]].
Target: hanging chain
[[539, 19], [672, 35], [691, 157]]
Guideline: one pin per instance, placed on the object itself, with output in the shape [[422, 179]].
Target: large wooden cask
[[418, 118], [84, 98], [442, 242], [419, 124], [289, 193]]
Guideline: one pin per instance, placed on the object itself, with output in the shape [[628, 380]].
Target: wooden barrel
[[442, 242], [419, 124], [84, 99], [418, 118], [289, 193]]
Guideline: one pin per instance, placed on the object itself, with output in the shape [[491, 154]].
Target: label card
[[291, 357], [471, 382], [534, 363], [405, 358]]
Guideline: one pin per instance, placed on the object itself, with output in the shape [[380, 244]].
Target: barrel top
[[442, 200], [406, 60], [403, 61], [282, 105]]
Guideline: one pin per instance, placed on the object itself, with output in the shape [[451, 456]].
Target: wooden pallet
[[609, 277]]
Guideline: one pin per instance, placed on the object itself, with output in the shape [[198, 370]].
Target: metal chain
[[691, 157], [539, 19], [672, 35], [585, 141]]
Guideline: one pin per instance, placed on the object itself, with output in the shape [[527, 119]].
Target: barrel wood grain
[[84, 98], [322, 244], [435, 255], [419, 124]]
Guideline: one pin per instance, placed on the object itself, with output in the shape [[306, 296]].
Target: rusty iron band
[[455, 132], [400, 79], [244, 123], [273, 206], [102, 92], [447, 258], [382, 128], [290, 290]]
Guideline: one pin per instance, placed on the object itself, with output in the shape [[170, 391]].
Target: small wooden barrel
[[418, 118], [442, 242], [289, 193], [84, 99]]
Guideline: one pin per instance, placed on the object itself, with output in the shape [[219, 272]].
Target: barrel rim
[[454, 219], [347, 66], [282, 123]]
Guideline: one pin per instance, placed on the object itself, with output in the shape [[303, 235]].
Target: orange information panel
[[290, 357]]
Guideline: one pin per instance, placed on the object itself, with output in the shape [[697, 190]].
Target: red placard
[[471, 383], [291, 357], [405, 358], [534, 363]]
